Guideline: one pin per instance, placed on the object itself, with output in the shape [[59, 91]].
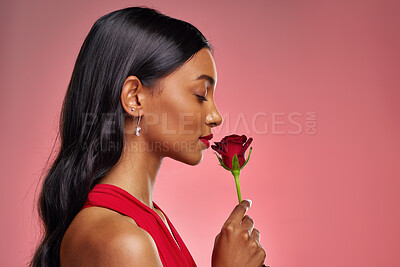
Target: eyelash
[[202, 98]]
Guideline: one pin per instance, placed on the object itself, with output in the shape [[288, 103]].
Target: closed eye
[[202, 97]]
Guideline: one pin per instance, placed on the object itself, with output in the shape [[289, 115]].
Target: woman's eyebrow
[[206, 77]]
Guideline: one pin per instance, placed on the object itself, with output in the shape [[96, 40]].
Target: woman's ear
[[132, 95]]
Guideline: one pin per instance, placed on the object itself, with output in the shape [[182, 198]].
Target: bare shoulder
[[102, 237]]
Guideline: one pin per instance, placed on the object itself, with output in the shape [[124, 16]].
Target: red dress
[[117, 199]]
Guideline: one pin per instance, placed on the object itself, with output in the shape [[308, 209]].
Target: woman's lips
[[205, 139], [206, 142]]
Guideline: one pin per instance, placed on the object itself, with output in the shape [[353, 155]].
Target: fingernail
[[249, 201]]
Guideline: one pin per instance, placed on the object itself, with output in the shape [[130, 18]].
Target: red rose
[[232, 145], [232, 149]]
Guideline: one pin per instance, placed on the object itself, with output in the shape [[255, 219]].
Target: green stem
[[236, 174]]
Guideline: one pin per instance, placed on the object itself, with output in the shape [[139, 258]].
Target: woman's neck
[[135, 172]]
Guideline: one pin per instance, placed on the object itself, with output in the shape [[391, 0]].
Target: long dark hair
[[136, 41]]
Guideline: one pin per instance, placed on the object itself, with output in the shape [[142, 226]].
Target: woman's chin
[[195, 162], [192, 159]]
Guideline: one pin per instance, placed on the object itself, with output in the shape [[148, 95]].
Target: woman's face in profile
[[184, 110]]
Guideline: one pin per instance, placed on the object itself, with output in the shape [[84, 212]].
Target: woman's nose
[[214, 118]]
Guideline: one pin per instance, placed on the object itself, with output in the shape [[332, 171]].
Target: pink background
[[325, 198]]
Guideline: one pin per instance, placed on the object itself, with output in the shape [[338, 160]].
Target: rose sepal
[[235, 163]]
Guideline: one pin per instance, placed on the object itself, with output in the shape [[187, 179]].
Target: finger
[[256, 235], [248, 223], [239, 211]]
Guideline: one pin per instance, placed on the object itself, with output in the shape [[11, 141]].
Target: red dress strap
[[117, 199]]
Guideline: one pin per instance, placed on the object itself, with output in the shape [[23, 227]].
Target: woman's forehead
[[200, 68]]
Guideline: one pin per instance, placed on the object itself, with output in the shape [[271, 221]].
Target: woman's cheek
[[181, 117]]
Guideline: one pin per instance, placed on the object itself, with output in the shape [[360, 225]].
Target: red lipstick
[[205, 139]]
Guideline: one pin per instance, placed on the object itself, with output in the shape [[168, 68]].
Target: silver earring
[[137, 130], [132, 109]]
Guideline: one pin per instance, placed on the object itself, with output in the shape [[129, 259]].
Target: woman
[[137, 73]]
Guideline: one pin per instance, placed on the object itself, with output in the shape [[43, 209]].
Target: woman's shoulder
[[102, 237]]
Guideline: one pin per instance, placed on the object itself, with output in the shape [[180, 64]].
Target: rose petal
[[237, 139], [241, 160], [232, 148], [218, 150], [218, 144], [227, 161], [246, 145], [230, 137], [243, 138]]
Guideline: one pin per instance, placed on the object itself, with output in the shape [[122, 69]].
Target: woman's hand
[[238, 243]]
